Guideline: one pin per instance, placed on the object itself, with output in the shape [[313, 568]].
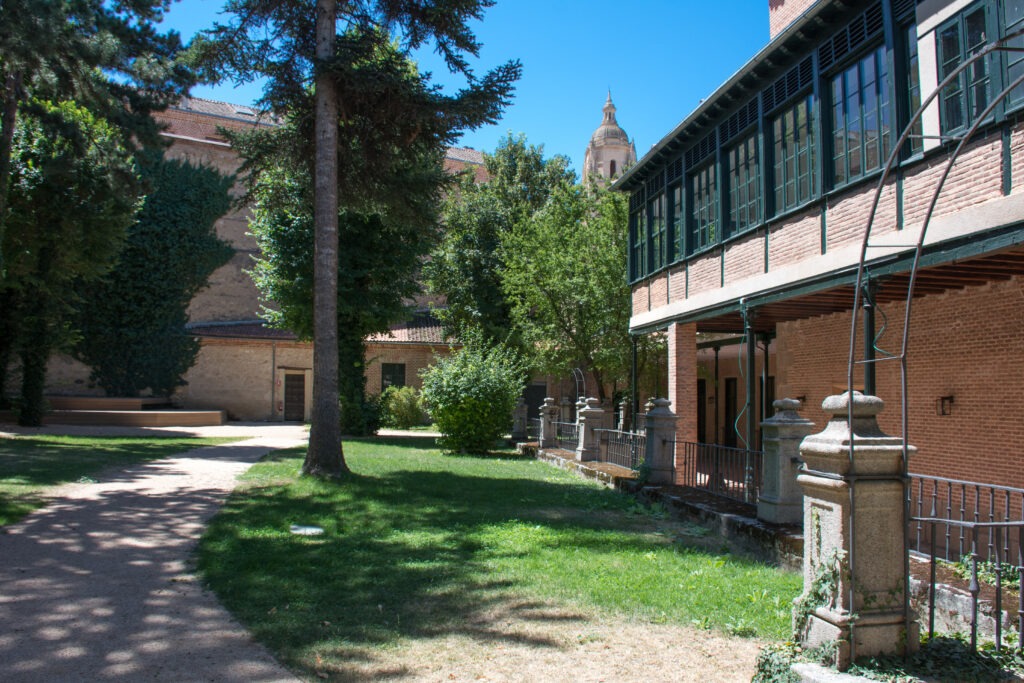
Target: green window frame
[[793, 171], [1013, 20], [915, 143], [744, 184], [703, 208], [968, 94], [659, 236], [861, 118], [638, 228], [392, 375], [675, 220]]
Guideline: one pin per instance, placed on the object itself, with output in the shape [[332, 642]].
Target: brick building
[[251, 371], [749, 217]]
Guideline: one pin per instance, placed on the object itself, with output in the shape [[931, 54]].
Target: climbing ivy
[[132, 322]]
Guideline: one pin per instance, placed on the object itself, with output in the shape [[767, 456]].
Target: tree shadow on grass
[[404, 555]]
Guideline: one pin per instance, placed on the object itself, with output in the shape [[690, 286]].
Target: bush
[[401, 408], [471, 396]]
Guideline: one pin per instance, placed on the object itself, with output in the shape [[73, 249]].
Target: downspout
[[273, 379], [748, 331], [634, 389], [869, 338], [718, 433]]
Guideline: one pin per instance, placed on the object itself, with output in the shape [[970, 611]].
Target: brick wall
[[705, 272], [744, 257], [964, 343], [415, 358], [794, 240], [782, 13]]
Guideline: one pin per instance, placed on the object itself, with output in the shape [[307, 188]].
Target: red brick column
[[682, 380]]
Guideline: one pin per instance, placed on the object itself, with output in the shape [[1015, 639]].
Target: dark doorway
[[533, 396], [295, 397], [729, 438], [702, 411]]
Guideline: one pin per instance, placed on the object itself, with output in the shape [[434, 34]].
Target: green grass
[[31, 467], [417, 543]]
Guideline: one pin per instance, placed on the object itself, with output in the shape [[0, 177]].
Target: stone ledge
[[816, 673]]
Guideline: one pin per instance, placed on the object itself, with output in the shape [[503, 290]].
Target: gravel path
[[97, 585]]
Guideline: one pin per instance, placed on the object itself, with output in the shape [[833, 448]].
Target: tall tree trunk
[[8, 118], [324, 458]]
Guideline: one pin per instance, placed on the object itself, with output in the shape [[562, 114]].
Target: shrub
[[401, 408], [471, 395]]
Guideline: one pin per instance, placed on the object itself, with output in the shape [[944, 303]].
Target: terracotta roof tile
[[422, 328]]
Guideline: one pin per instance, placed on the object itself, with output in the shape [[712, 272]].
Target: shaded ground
[[99, 586]]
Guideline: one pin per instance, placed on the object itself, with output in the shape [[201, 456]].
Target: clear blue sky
[[658, 57]]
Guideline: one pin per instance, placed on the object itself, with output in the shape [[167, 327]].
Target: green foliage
[[133, 320], [466, 266], [946, 658], [774, 662], [402, 408], [73, 195], [563, 274], [471, 395]]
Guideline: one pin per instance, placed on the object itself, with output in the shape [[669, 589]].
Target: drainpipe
[[718, 433], [634, 391], [870, 288], [748, 331]]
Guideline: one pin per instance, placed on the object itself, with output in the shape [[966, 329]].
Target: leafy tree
[[564, 276], [466, 266], [72, 196], [105, 55], [133, 320], [471, 395], [313, 76]]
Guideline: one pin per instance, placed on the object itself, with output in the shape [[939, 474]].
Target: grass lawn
[[31, 466], [419, 544]]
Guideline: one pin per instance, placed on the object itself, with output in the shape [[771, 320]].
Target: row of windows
[[729, 192]]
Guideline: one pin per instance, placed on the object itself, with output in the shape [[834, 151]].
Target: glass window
[[967, 95], [793, 148], [703, 208], [638, 230], [861, 118], [675, 218], [659, 238], [1013, 20], [392, 375], [915, 144], [744, 186]]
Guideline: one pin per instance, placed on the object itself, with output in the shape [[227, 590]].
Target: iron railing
[[567, 434], [956, 501], [626, 449], [997, 570], [533, 430], [733, 473]]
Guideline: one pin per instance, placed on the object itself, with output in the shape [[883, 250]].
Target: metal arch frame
[[1001, 45]]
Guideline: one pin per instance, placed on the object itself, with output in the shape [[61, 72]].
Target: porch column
[[854, 554], [682, 381], [660, 457]]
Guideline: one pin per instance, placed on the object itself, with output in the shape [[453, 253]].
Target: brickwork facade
[[782, 13]]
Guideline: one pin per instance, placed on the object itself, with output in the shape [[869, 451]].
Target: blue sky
[[658, 57]]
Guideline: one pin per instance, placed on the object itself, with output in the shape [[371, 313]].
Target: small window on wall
[[967, 95], [611, 168], [392, 375]]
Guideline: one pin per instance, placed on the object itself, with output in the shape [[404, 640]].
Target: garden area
[[482, 568]]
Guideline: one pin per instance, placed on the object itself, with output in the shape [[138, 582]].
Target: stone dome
[[609, 131]]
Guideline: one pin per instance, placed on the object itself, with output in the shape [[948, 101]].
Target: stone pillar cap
[[863, 405], [593, 403], [549, 401]]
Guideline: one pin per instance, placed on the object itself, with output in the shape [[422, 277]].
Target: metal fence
[[734, 473], [533, 429], [1001, 570], [955, 501], [567, 434], [626, 449]]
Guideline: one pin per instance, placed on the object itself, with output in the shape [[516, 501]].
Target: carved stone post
[[781, 500], [589, 418], [566, 410], [854, 571], [624, 423], [548, 416], [519, 421], [661, 443]]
